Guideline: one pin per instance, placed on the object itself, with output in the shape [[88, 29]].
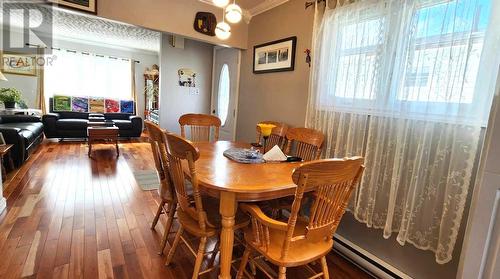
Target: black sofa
[[69, 124], [25, 132]]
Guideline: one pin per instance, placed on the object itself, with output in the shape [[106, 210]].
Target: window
[[83, 74], [223, 94], [405, 57]]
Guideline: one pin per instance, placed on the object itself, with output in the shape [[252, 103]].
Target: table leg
[[227, 209], [117, 149], [11, 162], [4, 172], [90, 146]]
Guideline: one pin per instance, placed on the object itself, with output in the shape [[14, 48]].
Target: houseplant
[[10, 96]]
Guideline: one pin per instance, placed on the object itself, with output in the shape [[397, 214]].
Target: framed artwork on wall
[[89, 6], [276, 56], [18, 64]]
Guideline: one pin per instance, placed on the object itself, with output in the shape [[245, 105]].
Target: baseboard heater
[[365, 260]]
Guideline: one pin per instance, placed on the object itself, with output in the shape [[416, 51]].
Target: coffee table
[[103, 133], [5, 152]]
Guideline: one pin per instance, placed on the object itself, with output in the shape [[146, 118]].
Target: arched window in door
[[223, 94]]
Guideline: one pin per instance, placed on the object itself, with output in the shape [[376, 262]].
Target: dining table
[[232, 183]]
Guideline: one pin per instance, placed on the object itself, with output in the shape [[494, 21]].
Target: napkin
[[275, 154]]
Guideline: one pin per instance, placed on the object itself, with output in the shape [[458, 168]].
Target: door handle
[[213, 111]]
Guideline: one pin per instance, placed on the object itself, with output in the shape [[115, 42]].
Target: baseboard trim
[[366, 260], [3, 204]]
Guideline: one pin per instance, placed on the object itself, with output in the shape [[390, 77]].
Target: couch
[[25, 132], [68, 124]]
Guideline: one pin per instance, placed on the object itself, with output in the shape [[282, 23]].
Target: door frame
[[236, 94]]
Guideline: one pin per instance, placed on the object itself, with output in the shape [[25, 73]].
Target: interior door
[[225, 86]]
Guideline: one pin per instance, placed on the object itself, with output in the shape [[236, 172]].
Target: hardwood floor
[[70, 216]]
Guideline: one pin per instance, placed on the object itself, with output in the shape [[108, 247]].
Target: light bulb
[[233, 13], [223, 30], [220, 3]]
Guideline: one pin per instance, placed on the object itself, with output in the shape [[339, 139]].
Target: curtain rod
[[84, 53]]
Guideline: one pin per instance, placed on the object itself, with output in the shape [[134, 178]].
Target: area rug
[[147, 179]]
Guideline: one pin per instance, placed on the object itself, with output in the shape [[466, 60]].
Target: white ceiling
[[69, 25]]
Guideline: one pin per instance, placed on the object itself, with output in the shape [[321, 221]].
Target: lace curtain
[[397, 81], [86, 74]]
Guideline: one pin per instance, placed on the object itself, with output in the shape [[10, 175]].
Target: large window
[[84, 74], [422, 59]]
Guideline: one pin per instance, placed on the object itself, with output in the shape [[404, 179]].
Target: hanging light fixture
[[223, 30], [221, 3], [233, 13]]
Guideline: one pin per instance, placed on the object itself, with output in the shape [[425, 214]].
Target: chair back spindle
[[200, 126], [304, 143]]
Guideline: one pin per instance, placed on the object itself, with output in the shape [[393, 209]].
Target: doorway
[[225, 89]]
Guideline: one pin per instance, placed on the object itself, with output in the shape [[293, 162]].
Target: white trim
[[3, 204], [363, 263], [488, 244], [236, 95], [213, 79], [266, 6]]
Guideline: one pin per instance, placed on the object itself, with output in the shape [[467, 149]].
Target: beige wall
[[172, 16], [275, 96], [176, 100]]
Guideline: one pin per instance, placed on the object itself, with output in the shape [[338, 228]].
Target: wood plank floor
[[69, 216]]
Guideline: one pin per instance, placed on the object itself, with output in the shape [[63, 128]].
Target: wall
[[275, 96], [170, 16], [28, 84], [176, 100], [283, 97]]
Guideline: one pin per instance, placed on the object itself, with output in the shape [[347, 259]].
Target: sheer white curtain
[[83, 74], [395, 81]]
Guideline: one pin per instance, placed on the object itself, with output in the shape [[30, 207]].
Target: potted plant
[[9, 97]]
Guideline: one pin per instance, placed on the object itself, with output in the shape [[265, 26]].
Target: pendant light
[[223, 30], [221, 3], [233, 13]]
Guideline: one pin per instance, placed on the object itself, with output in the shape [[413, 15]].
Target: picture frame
[[88, 6], [275, 56], [2, 140], [19, 63]]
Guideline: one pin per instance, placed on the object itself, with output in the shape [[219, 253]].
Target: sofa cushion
[[72, 124], [19, 118], [123, 124], [30, 131], [113, 116], [73, 115]]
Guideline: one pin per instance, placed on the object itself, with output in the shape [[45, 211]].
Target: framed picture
[[89, 6], [277, 56], [2, 140], [19, 64]]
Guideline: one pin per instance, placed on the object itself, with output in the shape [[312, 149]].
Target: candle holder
[[265, 131]]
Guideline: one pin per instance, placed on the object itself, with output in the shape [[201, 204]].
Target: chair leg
[[214, 254], [282, 273], [243, 264], [170, 218], [157, 216], [174, 246], [324, 266], [199, 257]]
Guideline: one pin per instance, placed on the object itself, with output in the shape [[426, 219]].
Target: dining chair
[[198, 215], [200, 126], [304, 239], [167, 193], [277, 136], [305, 143]]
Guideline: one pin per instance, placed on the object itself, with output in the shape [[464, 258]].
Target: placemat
[[240, 155]]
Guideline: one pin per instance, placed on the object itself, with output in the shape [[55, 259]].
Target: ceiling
[[69, 25]]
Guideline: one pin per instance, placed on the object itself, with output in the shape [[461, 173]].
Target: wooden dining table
[[232, 182]]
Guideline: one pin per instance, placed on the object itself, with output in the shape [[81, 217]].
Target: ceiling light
[[221, 3], [233, 13], [223, 30]]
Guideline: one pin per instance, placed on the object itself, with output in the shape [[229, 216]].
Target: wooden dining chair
[[304, 239], [200, 126], [277, 136], [304, 143], [198, 215], [167, 193]]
